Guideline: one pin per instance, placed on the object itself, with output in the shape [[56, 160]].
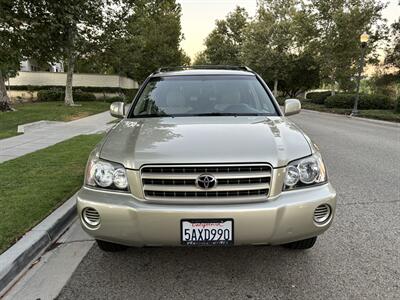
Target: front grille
[[235, 183]]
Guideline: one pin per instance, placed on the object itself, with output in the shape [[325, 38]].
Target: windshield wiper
[[153, 116], [226, 114]]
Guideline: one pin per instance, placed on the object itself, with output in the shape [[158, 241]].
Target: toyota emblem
[[206, 181]]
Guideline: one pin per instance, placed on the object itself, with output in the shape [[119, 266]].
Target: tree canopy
[[223, 44], [289, 38], [130, 37], [147, 36]]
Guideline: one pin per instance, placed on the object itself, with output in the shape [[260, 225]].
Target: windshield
[[203, 96]]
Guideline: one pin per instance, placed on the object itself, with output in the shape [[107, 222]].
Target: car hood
[[198, 140]]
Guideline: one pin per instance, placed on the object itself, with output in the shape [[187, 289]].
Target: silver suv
[[204, 156]]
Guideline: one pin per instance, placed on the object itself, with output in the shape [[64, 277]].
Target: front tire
[[301, 245], [110, 247]]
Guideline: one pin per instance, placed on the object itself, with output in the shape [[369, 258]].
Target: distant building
[[30, 65]]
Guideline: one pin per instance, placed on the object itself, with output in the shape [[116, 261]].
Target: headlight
[[305, 172], [105, 174]]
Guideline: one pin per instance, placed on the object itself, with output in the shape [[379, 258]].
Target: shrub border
[[90, 89]]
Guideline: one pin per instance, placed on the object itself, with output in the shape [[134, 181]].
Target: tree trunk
[[69, 100], [333, 87], [276, 88], [71, 57], [4, 99]]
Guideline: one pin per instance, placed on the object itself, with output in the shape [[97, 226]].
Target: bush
[[51, 95], [130, 95], [80, 96], [59, 95], [398, 105], [90, 89], [318, 97], [365, 101], [114, 99], [281, 100]]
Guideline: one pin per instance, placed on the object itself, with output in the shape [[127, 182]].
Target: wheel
[[303, 244], [110, 247]]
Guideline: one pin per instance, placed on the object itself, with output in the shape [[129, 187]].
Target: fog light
[[91, 217], [322, 213]]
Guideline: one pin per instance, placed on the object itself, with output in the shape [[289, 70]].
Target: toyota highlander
[[204, 156]]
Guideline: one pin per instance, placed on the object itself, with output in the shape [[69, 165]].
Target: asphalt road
[[358, 258]]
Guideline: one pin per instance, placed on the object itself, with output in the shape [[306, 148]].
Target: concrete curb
[[22, 254]]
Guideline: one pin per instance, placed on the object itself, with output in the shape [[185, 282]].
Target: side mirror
[[292, 107], [117, 109]]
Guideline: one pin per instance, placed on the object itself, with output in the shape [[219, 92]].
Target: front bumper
[[129, 221]]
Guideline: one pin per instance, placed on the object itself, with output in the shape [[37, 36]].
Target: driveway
[[357, 258]]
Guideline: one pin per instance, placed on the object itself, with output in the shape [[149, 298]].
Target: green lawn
[[51, 111], [32, 186], [379, 114]]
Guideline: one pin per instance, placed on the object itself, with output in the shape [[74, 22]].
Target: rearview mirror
[[117, 109], [292, 107]]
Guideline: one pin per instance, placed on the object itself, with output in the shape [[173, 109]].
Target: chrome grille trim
[[235, 183]]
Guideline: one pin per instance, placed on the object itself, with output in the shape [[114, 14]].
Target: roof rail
[[200, 67]]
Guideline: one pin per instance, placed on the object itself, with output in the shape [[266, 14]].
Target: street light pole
[[364, 40]]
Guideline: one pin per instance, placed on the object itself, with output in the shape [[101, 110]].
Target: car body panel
[[129, 221], [229, 139]]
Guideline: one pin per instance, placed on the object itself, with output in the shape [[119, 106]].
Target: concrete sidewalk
[[44, 136], [45, 278]]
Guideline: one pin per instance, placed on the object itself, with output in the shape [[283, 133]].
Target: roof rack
[[202, 67]]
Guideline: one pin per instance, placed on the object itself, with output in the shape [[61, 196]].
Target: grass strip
[[378, 114], [33, 185]]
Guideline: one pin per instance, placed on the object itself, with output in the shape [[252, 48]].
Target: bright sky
[[198, 18]]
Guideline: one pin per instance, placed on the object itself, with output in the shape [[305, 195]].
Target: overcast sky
[[198, 18]]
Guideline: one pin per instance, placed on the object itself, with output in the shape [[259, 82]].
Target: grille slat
[[219, 188], [235, 183], [218, 175]]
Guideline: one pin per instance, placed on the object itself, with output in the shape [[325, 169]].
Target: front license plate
[[209, 232]]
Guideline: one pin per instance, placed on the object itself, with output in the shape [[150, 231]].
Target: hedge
[[91, 89], [281, 100], [365, 101], [114, 99], [318, 97], [59, 95]]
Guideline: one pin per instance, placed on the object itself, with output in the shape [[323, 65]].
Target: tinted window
[[203, 95]]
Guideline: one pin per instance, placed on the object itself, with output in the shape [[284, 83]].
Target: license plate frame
[[205, 222]]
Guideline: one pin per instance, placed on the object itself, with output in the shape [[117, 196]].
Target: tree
[[393, 54], [223, 44], [302, 75], [148, 37], [9, 61], [271, 40], [339, 24], [153, 38], [73, 28], [201, 59], [12, 42]]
